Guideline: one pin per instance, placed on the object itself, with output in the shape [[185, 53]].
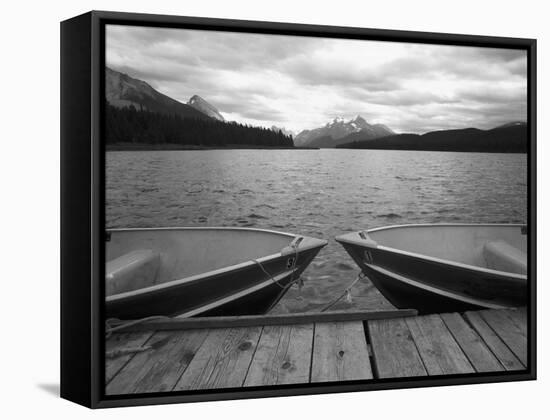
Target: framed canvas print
[[255, 209]]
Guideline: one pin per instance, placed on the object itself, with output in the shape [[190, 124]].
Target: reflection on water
[[320, 193]]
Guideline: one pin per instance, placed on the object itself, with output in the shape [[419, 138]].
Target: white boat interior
[[138, 258], [496, 247]]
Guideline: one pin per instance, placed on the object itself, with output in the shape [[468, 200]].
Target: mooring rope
[[113, 354], [346, 292], [109, 328], [292, 267]]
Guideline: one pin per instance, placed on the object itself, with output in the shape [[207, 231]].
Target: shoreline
[[137, 147], [132, 147]]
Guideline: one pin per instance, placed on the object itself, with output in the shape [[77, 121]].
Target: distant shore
[[410, 149], [172, 146]]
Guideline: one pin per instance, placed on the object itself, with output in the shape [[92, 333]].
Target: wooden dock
[[209, 353]]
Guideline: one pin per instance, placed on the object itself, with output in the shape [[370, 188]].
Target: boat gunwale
[[360, 242], [318, 243], [202, 228]]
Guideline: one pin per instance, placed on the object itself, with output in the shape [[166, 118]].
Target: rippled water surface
[[320, 193]]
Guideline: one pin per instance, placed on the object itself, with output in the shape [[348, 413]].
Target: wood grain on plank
[[439, 351], [223, 359], [394, 352], [283, 356], [158, 369], [119, 341], [471, 344], [340, 352], [493, 341], [512, 335], [518, 317]]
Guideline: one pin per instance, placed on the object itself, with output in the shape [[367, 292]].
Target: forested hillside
[[130, 125]]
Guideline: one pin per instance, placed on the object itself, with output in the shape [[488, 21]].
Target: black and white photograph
[[284, 210]]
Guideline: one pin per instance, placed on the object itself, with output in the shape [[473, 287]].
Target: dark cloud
[[302, 82]]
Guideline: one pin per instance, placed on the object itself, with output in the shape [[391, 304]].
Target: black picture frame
[[83, 198]]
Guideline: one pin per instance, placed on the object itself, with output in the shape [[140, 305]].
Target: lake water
[[321, 193]]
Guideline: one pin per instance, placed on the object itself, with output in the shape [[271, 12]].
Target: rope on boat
[[346, 292], [292, 267]]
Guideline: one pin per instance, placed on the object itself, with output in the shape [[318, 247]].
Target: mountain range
[[507, 138], [332, 133], [122, 91], [138, 116]]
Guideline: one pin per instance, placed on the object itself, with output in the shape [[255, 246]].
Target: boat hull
[[430, 285], [404, 293], [253, 287]]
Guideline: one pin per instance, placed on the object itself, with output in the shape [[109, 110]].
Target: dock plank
[[340, 352], [512, 335], [283, 356], [479, 355], [222, 361], [519, 317], [160, 368], [214, 357], [394, 352], [440, 352], [118, 342], [497, 346]]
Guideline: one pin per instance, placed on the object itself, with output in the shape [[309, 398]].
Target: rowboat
[[444, 267], [201, 271]]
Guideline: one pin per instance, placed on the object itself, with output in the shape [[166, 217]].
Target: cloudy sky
[[300, 82]]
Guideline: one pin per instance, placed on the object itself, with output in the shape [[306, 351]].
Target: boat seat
[[131, 271], [500, 255]]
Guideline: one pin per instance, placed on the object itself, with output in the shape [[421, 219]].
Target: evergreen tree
[[130, 125]]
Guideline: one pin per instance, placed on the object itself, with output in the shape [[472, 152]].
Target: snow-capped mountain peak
[[329, 134], [336, 121], [206, 108]]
